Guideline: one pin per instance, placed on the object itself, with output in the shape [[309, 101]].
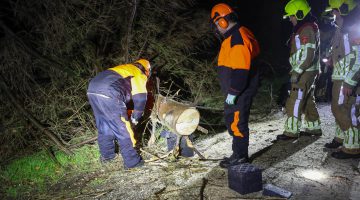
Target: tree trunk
[[180, 118]]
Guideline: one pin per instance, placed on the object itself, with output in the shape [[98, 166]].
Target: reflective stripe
[[346, 44], [355, 67], [100, 95], [315, 125], [342, 67], [129, 129], [352, 138], [341, 96], [354, 119], [297, 103], [299, 57], [292, 125], [234, 125], [338, 132], [309, 45], [297, 42]]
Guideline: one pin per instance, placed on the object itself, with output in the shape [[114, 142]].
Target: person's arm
[[353, 77], [241, 59], [139, 95]]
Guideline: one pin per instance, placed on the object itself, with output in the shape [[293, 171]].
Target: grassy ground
[[37, 172]]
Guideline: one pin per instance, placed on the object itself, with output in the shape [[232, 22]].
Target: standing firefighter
[[109, 92], [305, 63], [238, 78], [345, 51]]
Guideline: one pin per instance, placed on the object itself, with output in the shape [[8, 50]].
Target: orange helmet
[[146, 64], [218, 14]]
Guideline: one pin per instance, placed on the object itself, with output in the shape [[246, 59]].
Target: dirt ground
[[302, 167]]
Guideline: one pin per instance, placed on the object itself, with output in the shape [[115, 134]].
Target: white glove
[[230, 99], [134, 121]]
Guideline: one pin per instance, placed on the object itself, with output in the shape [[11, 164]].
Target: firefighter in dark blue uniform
[[238, 78], [109, 93]]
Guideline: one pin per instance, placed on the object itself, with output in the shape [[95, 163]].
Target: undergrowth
[[38, 171]]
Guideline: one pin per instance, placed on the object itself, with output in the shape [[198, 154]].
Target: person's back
[[108, 94]]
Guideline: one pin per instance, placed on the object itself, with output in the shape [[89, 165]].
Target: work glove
[[294, 77], [134, 121], [230, 99]]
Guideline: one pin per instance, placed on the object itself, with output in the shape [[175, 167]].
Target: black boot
[[307, 132], [333, 144], [284, 137], [138, 165], [233, 160], [343, 155]]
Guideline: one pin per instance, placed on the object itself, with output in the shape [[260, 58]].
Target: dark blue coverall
[[108, 94]]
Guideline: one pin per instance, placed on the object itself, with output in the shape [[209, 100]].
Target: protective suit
[[109, 93]]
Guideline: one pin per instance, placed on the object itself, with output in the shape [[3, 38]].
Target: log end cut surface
[[187, 121]]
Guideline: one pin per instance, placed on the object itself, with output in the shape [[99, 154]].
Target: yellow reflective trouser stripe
[[129, 129], [234, 124]]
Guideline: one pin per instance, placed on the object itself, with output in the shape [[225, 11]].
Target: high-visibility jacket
[[345, 54], [124, 82], [237, 51], [305, 51]]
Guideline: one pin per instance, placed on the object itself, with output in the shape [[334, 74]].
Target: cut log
[[180, 118]]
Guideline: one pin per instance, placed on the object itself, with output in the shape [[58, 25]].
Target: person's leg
[[296, 104], [127, 142], [105, 134], [311, 121], [350, 126], [237, 123], [336, 101], [293, 111]]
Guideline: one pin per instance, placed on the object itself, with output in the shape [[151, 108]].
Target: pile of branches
[[51, 49]]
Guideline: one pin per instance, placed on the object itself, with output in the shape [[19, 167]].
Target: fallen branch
[[202, 129], [32, 119], [158, 158], [83, 142], [202, 188]]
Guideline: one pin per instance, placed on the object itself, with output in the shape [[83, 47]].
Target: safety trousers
[[113, 124], [237, 118], [301, 101], [346, 112]]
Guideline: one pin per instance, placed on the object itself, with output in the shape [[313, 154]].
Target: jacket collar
[[232, 30]]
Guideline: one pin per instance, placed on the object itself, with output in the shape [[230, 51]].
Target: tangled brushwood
[[50, 50]]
